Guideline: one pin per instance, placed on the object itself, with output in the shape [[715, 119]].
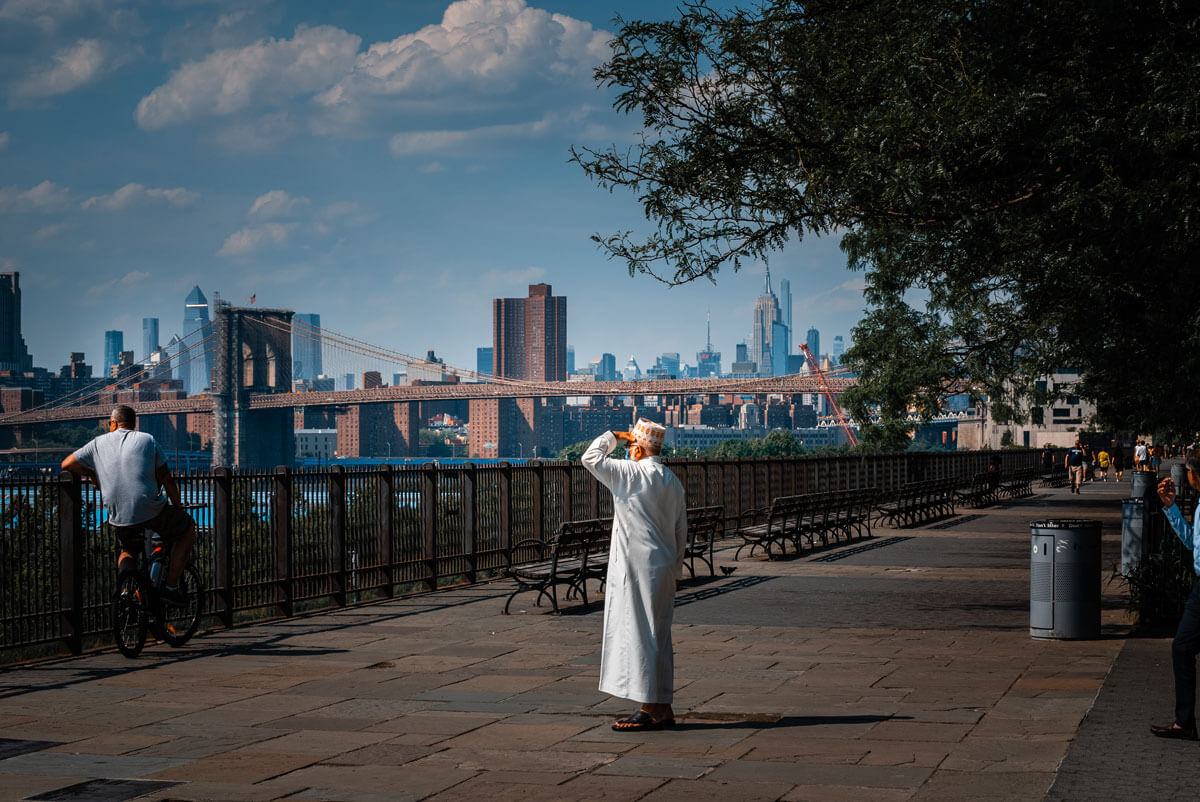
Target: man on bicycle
[[131, 468]]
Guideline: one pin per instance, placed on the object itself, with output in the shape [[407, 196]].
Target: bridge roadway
[[896, 669], [791, 384]]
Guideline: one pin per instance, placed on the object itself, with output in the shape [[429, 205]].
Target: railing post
[[429, 523], [384, 489], [70, 565], [337, 533], [506, 507], [537, 488], [281, 513], [568, 501], [470, 542], [223, 541]]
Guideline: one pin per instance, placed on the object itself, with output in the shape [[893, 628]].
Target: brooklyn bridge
[[254, 406]]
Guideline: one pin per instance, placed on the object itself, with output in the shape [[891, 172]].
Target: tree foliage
[[1017, 181]]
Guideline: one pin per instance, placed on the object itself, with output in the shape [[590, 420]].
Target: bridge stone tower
[[253, 356]]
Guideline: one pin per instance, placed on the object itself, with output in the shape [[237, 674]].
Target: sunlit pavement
[[900, 667]]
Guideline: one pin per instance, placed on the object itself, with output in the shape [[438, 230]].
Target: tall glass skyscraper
[[813, 341], [196, 373], [149, 337], [306, 347], [114, 344]]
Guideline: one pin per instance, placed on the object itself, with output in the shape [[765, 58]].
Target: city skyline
[[395, 210]]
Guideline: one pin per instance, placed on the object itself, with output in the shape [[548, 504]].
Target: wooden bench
[[1018, 484], [705, 525], [831, 516], [578, 553], [772, 527], [982, 489], [917, 503], [1056, 477]]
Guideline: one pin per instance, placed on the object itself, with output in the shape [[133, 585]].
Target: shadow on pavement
[[705, 721]]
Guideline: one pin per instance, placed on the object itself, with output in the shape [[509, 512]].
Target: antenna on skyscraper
[[767, 265], [708, 330]]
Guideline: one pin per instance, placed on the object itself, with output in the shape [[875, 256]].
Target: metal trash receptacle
[[1142, 484], [1133, 525], [1179, 476], [1064, 579]]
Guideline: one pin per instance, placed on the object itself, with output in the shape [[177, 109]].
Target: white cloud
[[481, 48], [71, 67], [409, 143], [484, 55], [237, 78], [276, 204], [4, 139], [136, 193], [45, 196], [247, 240], [47, 232]]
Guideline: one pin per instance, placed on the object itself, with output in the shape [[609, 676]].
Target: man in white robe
[[645, 563]]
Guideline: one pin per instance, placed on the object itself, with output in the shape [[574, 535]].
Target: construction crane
[[837, 411]]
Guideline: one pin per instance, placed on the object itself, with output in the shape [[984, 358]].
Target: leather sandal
[[642, 721]]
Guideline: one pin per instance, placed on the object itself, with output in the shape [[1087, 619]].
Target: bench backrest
[[581, 538], [705, 523]]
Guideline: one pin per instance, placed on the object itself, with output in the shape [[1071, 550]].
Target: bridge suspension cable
[[90, 393], [325, 336]]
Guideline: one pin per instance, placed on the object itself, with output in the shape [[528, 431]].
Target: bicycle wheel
[[129, 616], [176, 625]]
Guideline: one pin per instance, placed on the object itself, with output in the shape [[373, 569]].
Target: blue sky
[[391, 166]]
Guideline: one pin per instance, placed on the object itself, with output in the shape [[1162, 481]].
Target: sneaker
[[176, 597]]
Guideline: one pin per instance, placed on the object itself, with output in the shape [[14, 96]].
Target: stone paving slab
[[902, 671]]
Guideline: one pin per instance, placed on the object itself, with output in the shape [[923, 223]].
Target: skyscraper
[[195, 362], [785, 315], [570, 359], [306, 347], [114, 344], [149, 337], [766, 314], [708, 361], [813, 341], [14, 355], [529, 336], [839, 348], [483, 361]]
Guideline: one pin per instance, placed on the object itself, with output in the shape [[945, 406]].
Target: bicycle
[[138, 608]]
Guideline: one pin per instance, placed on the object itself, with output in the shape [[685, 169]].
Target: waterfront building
[[114, 343], [14, 355], [529, 336], [307, 360], [316, 443], [702, 437], [149, 337]]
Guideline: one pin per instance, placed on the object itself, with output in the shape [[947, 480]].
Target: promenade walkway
[[892, 669]]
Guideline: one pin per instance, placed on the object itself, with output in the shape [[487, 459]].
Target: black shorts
[[172, 523]]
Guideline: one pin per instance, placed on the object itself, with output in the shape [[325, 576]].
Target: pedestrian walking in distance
[[1074, 464], [1186, 645], [645, 564]]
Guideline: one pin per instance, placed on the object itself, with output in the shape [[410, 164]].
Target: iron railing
[[277, 543]]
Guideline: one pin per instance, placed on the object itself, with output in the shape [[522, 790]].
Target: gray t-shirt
[[125, 461]]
